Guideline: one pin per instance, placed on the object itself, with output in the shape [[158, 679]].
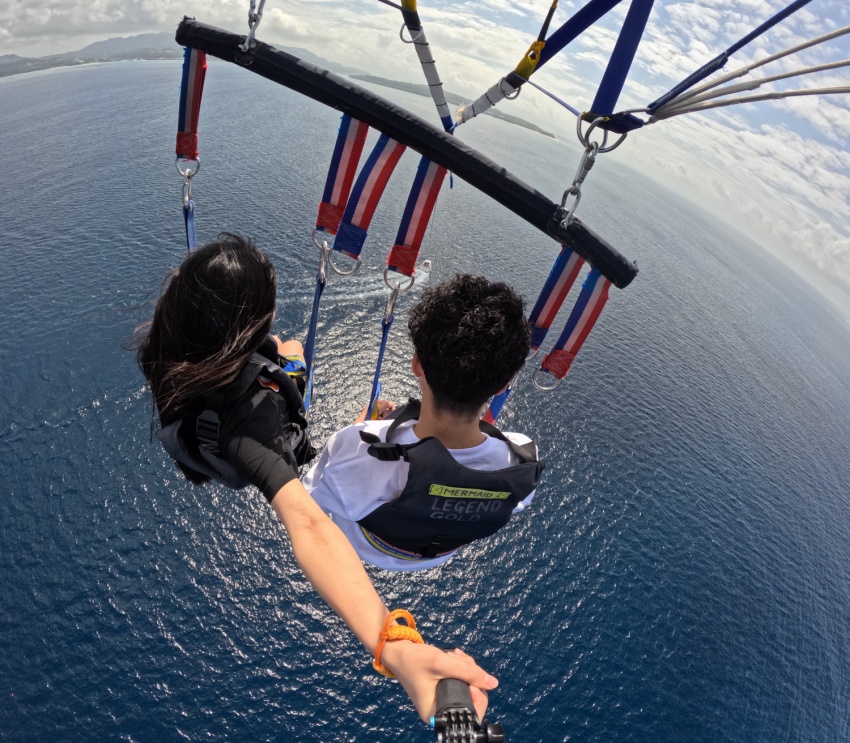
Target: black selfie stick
[[456, 720]]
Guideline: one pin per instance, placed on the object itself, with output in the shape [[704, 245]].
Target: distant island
[[163, 46], [142, 46], [452, 98]]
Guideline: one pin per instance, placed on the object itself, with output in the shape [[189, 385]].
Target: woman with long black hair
[[229, 404]]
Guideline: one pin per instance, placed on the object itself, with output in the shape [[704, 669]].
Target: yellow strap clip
[[528, 63]]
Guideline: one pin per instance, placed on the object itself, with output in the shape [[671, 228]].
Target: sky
[[779, 171]]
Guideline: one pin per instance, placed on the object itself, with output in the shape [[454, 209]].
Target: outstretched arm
[[333, 568], [257, 449]]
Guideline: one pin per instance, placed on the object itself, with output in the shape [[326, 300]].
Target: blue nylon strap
[[376, 382], [349, 239], [576, 25], [720, 60], [621, 58], [578, 310], [189, 218], [538, 335], [336, 157], [310, 343], [768, 24], [496, 405]]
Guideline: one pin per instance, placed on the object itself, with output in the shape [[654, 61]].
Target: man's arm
[[333, 568]]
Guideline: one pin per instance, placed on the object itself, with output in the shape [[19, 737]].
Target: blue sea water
[[683, 575]]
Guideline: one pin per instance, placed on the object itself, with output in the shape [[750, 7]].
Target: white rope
[[751, 99], [684, 106], [696, 91]]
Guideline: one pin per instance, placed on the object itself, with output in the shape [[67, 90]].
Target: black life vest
[[193, 441], [444, 504]]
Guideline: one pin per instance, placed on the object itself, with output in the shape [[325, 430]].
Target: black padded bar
[[407, 128]]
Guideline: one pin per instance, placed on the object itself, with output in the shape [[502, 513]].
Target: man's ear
[[416, 366]]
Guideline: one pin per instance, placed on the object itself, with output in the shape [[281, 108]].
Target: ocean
[[683, 574]]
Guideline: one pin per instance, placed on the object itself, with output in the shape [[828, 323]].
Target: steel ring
[[398, 285], [340, 272], [535, 380], [188, 172], [615, 145], [413, 39]]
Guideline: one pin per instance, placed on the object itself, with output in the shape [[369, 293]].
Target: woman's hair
[[214, 312]]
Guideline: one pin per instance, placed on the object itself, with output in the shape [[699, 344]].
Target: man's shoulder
[[348, 441], [516, 437]]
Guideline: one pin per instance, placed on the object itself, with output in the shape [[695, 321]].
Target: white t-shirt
[[349, 484]]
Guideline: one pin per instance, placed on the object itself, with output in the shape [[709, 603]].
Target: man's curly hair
[[471, 336]]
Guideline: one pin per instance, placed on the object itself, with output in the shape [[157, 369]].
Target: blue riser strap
[[621, 58], [189, 218], [310, 344], [576, 25], [376, 382]]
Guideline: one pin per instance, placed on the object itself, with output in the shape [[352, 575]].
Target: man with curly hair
[[410, 489]]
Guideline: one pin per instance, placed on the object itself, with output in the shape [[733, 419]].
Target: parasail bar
[[408, 129]]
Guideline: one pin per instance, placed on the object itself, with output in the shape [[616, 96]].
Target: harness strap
[[594, 294], [343, 167], [367, 192], [214, 405], [561, 278], [417, 212], [191, 90], [387, 451]]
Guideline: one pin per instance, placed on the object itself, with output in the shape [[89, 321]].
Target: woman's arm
[[257, 448], [333, 568]]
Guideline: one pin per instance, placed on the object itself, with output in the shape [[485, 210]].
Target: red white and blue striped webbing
[[594, 294], [417, 212], [191, 90], [343, 167], [561, 278], [367, 192]]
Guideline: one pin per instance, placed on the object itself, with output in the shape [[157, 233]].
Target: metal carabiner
[[323, 246], [568, 217], [535, 380], [188, 173], [324, 253], [254, 19], [389, 310], [187, 192]]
